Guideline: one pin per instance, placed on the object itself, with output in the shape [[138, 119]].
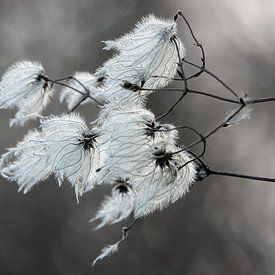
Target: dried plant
[[127, 146]]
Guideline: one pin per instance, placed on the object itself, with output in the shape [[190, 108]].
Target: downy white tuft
[[243, 114], [118, 206], [63, 146], [126, 136], [165, 182], [107, 251], [23, 87], [147, 56]]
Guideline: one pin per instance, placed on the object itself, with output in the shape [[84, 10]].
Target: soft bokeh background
[[223, 226]]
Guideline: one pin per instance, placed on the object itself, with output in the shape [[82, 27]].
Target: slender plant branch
[[209, 171], [78, 104], [191, 91], [204, 70], [197, 43], [182, 75], [59, 82], [204, 138], [126, 229], [236, 175]]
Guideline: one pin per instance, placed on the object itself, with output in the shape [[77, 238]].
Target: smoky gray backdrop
[[224, 225]]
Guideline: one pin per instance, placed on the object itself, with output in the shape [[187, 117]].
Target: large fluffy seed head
[[63, 146], [126, 137], [147, 55], [74, 149], [164, 182], [149, 28], [27, 163], [23, 87]]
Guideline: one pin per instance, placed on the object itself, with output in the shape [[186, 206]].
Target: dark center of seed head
[[163, 159], [89, 140], [123, 189], [123, 185], [151, 128]]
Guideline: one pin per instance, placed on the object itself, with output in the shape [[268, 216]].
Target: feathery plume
[[64, 146], [126, 136], [118, 206], [107, 251], [23, 87], [165, 182], [244, 114], [148, 56]]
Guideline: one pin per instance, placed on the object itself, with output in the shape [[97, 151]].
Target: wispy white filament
[[107, 251]]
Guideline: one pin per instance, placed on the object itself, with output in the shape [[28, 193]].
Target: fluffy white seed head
[[63, 146], [27, 163], [23, 87], [165, 182], [148, 55], [118, 206], [126, 137], [149, 28]]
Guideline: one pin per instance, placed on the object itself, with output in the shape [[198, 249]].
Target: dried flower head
[[24, 87], [148, 56], [165, 182], [64, 146], [126, 136], [118, 206]]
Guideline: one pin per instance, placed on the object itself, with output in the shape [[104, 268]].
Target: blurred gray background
[[224, 225]]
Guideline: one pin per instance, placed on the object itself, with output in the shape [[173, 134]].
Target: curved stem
[[197, 43], [87, 94], [212, 75], [203, 139], [78, 104]]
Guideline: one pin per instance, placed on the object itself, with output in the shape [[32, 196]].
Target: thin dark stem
[[126, 229], [58, 82], [261, 100], [78, 104], [203, 139], [213, 96], [208, 94], [191, 91], [182, 75], [197, 43], [235, 175], [171, 109], [197, 157], [178, 128], [222, 82], [197, 74], [214, 76]]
